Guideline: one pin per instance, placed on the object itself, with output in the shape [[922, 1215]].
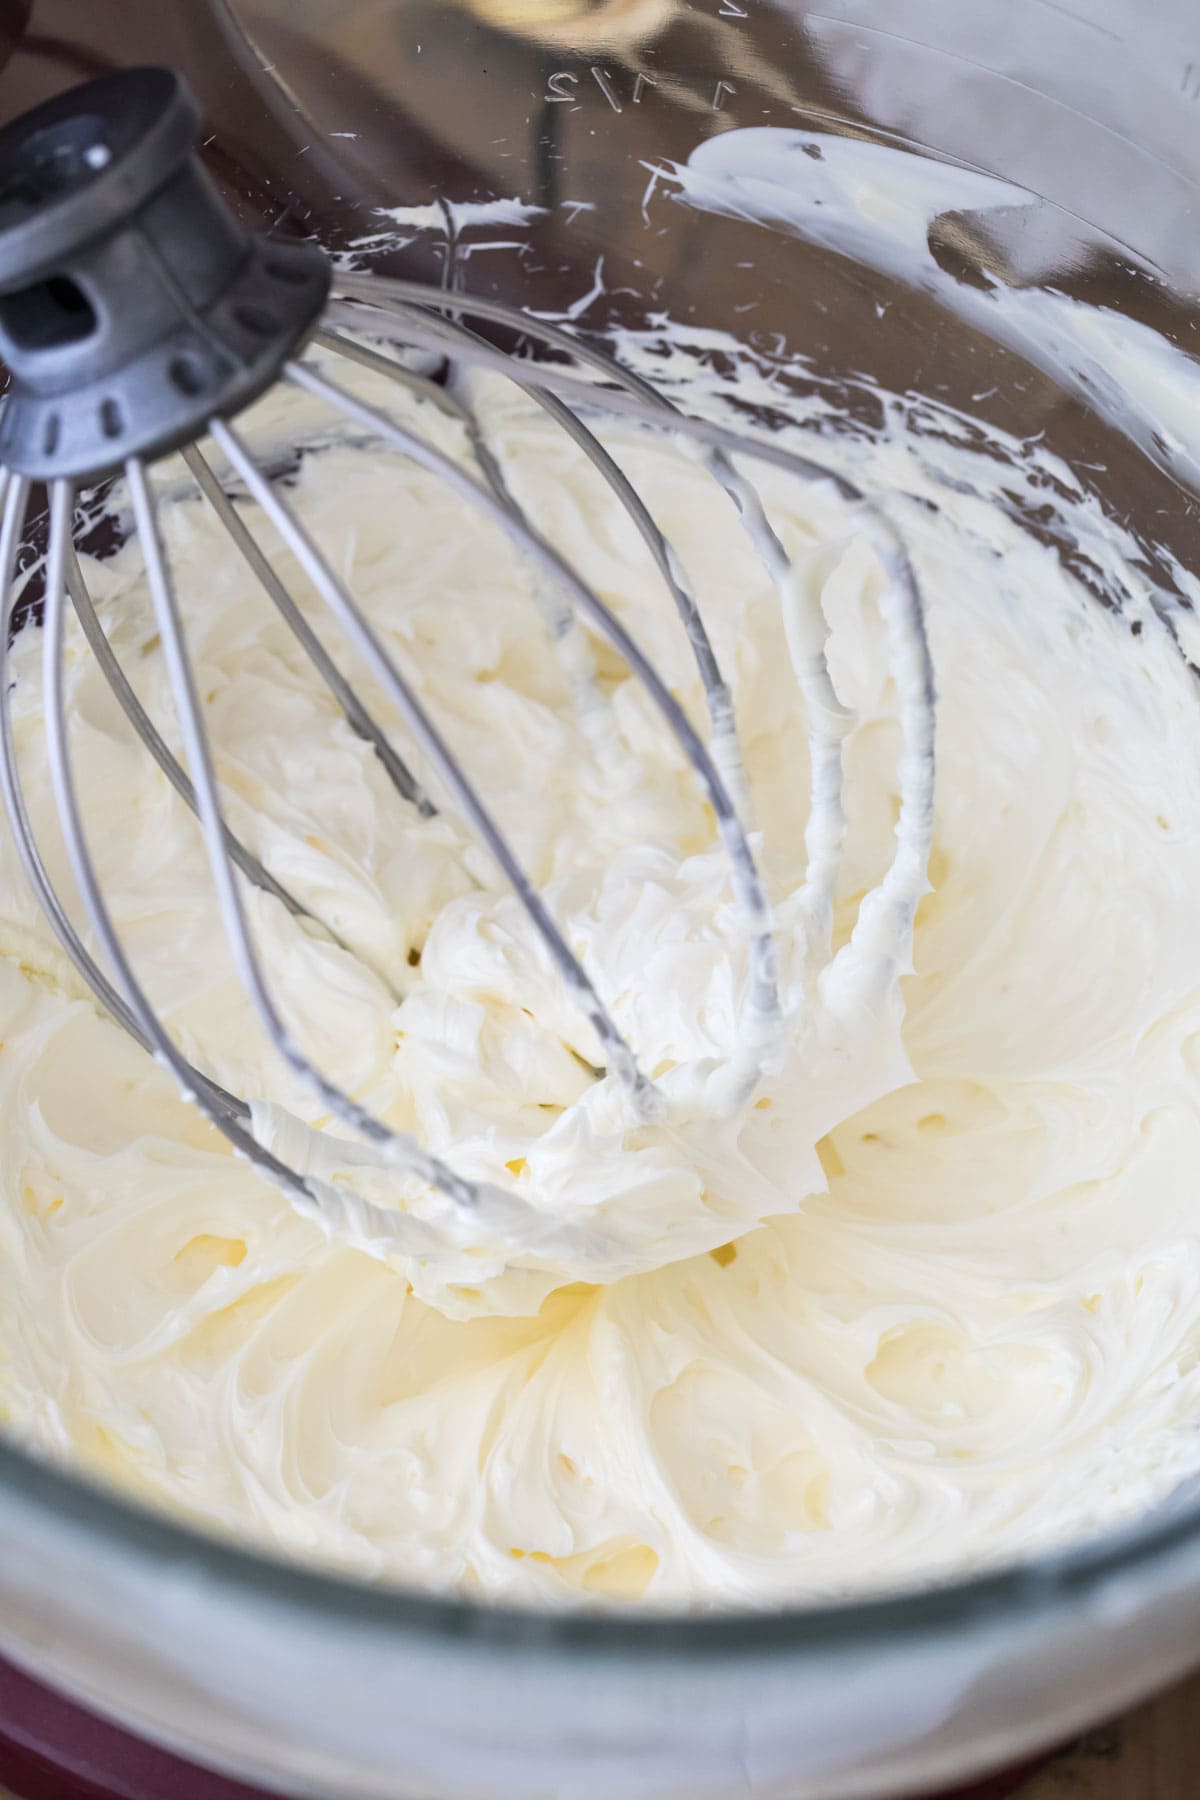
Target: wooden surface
[[1153, 1754]]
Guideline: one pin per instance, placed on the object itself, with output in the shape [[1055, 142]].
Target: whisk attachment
[[595, 382], [99, 190]]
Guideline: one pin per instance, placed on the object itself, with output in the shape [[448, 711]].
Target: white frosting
[[970, 1324]]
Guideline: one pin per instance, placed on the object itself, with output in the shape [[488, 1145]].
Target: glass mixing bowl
[[321, 111]]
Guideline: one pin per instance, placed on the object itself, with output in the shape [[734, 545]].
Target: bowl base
[[52, 1749]]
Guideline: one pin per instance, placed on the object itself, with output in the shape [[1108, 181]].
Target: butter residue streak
[[970, 1326], [877, 204]]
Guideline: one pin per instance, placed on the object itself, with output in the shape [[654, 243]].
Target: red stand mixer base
[[51, 1749]]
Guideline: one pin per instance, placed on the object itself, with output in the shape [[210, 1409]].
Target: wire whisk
[[138, 320]]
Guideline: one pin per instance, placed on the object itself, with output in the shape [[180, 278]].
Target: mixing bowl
[[525, 148]]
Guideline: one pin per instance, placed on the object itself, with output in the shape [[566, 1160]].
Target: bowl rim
[[1018, 1591]]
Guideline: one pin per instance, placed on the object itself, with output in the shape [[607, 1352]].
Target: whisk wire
[[762, 1014], [357, 716], [827, 719], [404, 698], [397, 1146], [723, 730], [143, 725], [850, 973], [561, 620], [15, 490], [220, 1105], [227, 1113]]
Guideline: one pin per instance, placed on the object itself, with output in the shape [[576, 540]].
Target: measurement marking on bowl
[[603, 81]]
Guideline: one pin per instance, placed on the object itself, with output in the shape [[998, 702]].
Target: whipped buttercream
[[929, 1299]]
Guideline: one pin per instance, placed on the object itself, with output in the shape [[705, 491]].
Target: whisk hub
[[133, 306]]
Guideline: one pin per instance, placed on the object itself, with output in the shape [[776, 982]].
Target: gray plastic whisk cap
[[133, 306]]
